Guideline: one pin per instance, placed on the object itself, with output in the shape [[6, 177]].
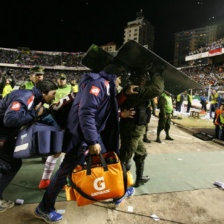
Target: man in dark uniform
[[133, 130], [17, 109], [166, 109]]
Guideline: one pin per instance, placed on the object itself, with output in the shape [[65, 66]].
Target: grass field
[[191, 122]]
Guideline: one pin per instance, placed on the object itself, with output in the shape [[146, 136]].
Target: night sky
[[75, 25]]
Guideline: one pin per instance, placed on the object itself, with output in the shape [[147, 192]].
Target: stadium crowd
[[21, 75], [208, 47], [206, 74], [27, 57]]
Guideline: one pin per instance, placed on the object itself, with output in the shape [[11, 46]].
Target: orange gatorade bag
[[102, 178]]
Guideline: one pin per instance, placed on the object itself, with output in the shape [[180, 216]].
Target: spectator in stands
[[215, 100]]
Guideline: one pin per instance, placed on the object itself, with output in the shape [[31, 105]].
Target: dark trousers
[[203, 105], [57, 182], [149, 113], [212, 109], [188, 107], [178, 106], [164, 123], [59, 179], [8, 169], [217, 129]]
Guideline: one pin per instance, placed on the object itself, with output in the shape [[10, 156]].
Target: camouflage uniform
[[132, 130], [150, 109], [166, 109]]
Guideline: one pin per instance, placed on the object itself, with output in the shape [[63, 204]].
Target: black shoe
[[169, 138], [158, 140], [43, 159], [141, 181], [145, 139]]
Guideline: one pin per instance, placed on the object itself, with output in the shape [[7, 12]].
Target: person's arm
[[92, 96], [153, 88], [122, 96], [17, 115], [153, 106]]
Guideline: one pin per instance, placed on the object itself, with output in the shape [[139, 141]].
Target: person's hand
[[94, 149], [40, 109], [128, 113], [131, 90], [52, 106]]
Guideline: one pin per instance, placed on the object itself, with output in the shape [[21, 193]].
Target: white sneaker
[[4, 205]]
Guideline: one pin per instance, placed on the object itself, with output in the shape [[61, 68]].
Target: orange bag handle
[[89, 164]]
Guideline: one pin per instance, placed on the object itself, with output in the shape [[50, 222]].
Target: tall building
[[140, 30], [190, 40], [109, 47]]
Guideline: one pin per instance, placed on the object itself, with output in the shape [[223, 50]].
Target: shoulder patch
[[15, 106], [95, 90], [30, 101]]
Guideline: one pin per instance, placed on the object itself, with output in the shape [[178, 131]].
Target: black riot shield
[[96, 58], [138, 58]]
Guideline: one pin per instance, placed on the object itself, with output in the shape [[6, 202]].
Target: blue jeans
[[58, 181]]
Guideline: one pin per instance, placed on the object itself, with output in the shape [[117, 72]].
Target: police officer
[[17, 109], [133, 130], [179, 101], [166, 109], [7, 88], [36, 74], [75, 85], [215, 101], [189, 102], [63, 88], [7, 84]]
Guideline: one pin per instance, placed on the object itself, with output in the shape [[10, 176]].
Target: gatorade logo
[[99, 184], [15, 106], [94, 90]]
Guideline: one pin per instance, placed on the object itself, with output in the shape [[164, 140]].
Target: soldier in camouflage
[[133, 130], [166, 109]]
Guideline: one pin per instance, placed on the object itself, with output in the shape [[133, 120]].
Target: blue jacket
[[18, 108], [94, 112]]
